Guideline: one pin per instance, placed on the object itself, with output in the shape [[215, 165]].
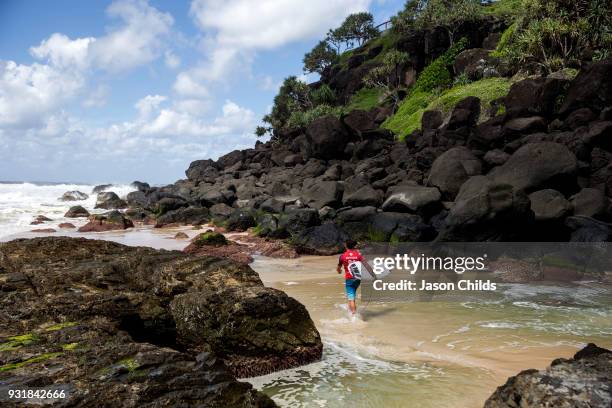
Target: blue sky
[[96, 91]]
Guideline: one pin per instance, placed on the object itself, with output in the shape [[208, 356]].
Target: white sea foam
[[20, 203]]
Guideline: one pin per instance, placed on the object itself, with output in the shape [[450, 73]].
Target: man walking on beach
[[353, 263]]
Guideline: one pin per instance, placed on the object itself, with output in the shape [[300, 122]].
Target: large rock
[[297, 220], [411, 197], [587, 229], [73, 196], [100, 188], [539, 165], [110, 221], [240, 220], [202, 170], [184, 216], [534, 96], [325, 239], [126, 326], [592, 88], [77, 211], [486, 210], [322, 194], [465, 113], [548, 205], [402, 227], [580, 382], [327, 138], [364, 196], [110, 201], [359, 121], [451, 169], [590, 202]]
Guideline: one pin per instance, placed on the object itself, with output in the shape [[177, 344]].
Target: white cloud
[[63, 52], [138, 41], [188, 84], [267, 24], [236, 29], [148, 105], [97, 97], [171, 60], [29, 93]]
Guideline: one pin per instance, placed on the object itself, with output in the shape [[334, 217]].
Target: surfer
[[353, 263]]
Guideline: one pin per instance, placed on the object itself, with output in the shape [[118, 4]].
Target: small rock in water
[[77, 212], [66, 225], [73, 196], [181, 235], [44, 230], [40, 219]]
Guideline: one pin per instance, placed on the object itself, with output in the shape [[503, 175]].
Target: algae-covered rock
[[127, 326]]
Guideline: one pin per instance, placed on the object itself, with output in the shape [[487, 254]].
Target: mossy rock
[[210, 237]]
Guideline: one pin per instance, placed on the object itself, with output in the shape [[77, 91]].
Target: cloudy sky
[[96, 91]]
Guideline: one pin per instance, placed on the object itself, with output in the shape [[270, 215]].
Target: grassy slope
[[365, 98], [408, 117]]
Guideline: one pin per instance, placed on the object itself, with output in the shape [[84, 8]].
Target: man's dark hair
[[350, 243]]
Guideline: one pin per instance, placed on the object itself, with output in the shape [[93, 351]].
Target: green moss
[[210, 237], [16, 342], [503, 46], [60, 326], [70, 346], [37, 359], [365, 98], [129, 363], [376, 235], [408, 117], [438, 74]]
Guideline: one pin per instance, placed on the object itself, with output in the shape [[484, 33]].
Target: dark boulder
[[325, 239], [141, 186], [230, 159], [471, 62], [586, 229], [324, 193], [355, 214], [73, 196], [411, 197], [201, 170], [431, 119], [582, 381], [327, 138], [580, 117], [100, 188], [496, 157], [77, 211], [451, 169], [183, 216], [220, 211], [272, 205], [240, 220], [359, 121], [539, 165], [110, 201], [486, 210], [548, 205], [465, 113], [137, 199], [167, 204], [590, 202], [592, 88], [364, 196], [524, 126], [110, 221], [297, 220], [401, 227], [534, 96]]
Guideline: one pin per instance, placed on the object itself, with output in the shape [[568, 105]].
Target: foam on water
[[20, 203]]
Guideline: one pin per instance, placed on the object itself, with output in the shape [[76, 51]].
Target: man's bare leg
[[352, 306]]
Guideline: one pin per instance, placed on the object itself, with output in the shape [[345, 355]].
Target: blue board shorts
[[351, 286]]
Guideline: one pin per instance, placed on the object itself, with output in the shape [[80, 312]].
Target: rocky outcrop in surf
[[123, 325], [580, 382]]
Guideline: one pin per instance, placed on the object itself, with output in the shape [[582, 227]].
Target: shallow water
[[451, 352]]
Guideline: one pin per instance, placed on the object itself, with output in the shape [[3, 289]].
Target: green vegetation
[[550, 35], [210, 237], [324, 95], [70, 346], [129, 363], [357, 28], [376, 236], [502, 8], [16, 342], [365, 98], [438, 73], [319, 58], [37, 359], [408, 117], [503, 46], [60, 326], [387, 77]]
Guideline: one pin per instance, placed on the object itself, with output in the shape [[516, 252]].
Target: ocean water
[[20, 203]]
